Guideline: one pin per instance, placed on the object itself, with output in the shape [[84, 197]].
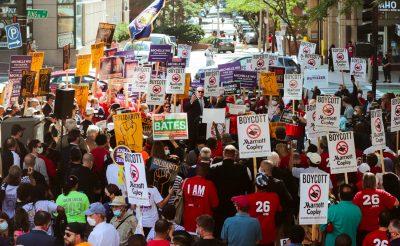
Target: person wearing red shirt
[[99, 153], [296, 130], [372, 202], [264, 206], [162, 229], [199, 197], [350, 49], [379, 236]]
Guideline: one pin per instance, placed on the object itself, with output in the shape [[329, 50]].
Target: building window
[[65, 23]]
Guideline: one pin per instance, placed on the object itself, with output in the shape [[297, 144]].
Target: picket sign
[[378, 133], [395, 119]]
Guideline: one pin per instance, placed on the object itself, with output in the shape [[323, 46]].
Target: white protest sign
[[135, 178], [311, 130], [222, 128], [211, 83], [284, 242], [236, 109], [141, 78], [293, 86], [340, 58], [156, 92], [395, 115], [316, 77], [184, 50], [254, 138], [259, 62], [273, 60], [216, 115], [314, 194], [358, 68], [175, 83], [327, 113], [377, 129], [311, 61], [306, 48], [342, 153]]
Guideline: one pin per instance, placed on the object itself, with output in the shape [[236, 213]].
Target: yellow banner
[[83, 65], [97, 51], [128, 130], [81, 95], [37, 61], [43, 86], [188, 79], [269, 84]]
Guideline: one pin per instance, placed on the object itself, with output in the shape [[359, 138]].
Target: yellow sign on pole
[[97, 51], [82, 65], [128, 130], [81, 95], [269, 84], [37, 61], [188, 79]]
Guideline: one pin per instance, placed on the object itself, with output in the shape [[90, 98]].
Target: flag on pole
[[142, 25]]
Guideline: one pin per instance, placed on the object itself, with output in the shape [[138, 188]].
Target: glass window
[[65, 11], [65, 25], [65, 1]]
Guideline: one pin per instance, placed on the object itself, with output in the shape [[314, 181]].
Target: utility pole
[[218, 30], [260, 23], [22, 20], [267, 28]]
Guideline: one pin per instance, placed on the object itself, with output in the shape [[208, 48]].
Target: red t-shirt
[[99, 155], [377, 237], [50, 166], [295, 130], [372, 202], [158, 243], [264, 206], [199, 197]]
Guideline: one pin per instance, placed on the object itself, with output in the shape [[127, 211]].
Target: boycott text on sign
[[293, 88], [170, 125], [311, 61], [395, 115], [314, 191], [211, 83], [141, 78], [156, 92], [254, 138], [135, 178], [311, 130], [259, 62], [358, 68], [175, 83], [377, 130], [327, 113], [306, 48], [342, 153], [340, 58]]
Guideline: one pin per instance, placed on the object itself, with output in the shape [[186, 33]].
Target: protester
[[381, 234], [35, 148], [168, 213], [8, 155], [17, 131], [162, 229], [38, 235], [75, 235], [8, 191], [124, 220]]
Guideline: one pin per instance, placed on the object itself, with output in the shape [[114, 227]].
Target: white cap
[[364, 168], [314, 158]]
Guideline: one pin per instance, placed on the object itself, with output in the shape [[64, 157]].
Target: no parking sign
[[141, 78], [293, 86], [175, 81], [211, 83], [260, 62], [377, 129], [311, 61], [314, 191], [342, 153], [358, 68], [327, 113], [156, 92], [306, 48], [395, 115], [254, 138]]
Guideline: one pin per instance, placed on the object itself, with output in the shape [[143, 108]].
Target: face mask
[[3, 226], [167, 152], [91, 221], [117, 213], [39, 150]]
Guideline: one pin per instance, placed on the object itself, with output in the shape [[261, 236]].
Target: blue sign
[[14, 39]]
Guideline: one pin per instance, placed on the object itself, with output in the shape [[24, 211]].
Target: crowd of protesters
[[65, 190]]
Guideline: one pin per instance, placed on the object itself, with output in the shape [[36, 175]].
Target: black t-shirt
[[38, 177], [85, 124], [208, 242]]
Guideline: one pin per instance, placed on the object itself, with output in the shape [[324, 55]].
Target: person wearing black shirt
[[205, 228], [87, 180], [7, 155], [29, 161], [17, 131], [87, 121], [48, 107]]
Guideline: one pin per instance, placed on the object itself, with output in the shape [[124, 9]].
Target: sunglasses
[[200, 91], [167, 106]]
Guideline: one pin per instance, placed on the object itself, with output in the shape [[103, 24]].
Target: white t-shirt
[[16, 158], [104, 234], [9, 200], [150, 213], [43, 205]]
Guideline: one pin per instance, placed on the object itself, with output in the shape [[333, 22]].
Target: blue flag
[[142, 25]]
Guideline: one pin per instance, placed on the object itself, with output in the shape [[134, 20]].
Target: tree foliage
[[185, 33]]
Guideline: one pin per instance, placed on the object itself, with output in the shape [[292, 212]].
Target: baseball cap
[[77, 228], [89, 111], [96, 208], [364, 168], [240, 201], [314, 158], [261, 180], [118, 201], [16, 128]]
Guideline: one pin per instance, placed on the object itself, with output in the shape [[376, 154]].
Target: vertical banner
[[175, 83], [273, 60], [82, 65], [311, 61], [293, 88], [141, 78], [173, 125], [17, 65], [211, 83], [259, 62], [128, 130], [81, 95], [311, 130], [395, 115], [188, 80], [328, 113], [377, 130], [66, 56], [28, 83], [342, 152], [105, 33], [306, 48], [269, 84], [340, 59], [44, 82], [97, 51], [358, 68], [314, 198], [37, 61], [156, 92], [254, 138], [135, 178]]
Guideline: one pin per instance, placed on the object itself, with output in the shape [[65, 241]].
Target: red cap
[[240, 201], [230, 99]]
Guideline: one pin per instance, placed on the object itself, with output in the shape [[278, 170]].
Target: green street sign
[[37, 13]]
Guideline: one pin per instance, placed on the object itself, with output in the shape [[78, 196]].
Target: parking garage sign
[[14, 39]]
